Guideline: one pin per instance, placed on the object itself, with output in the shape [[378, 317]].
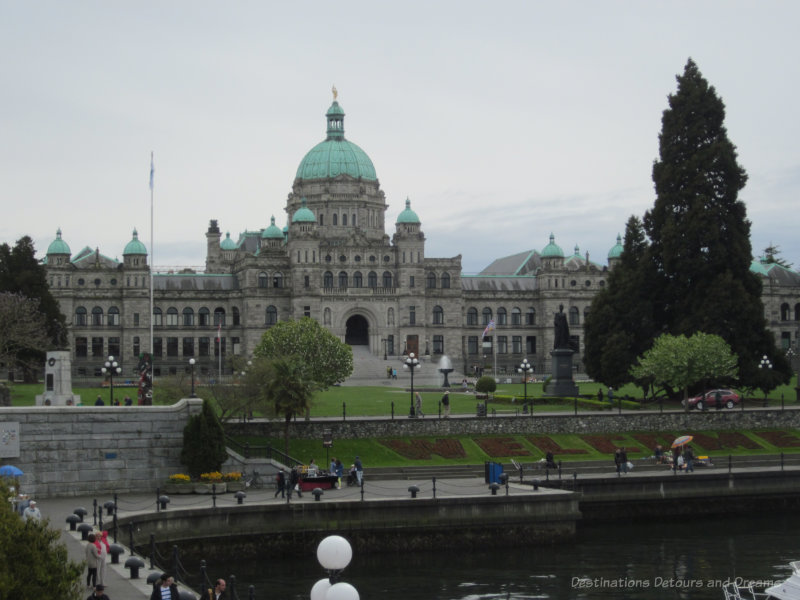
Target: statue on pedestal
[[561, 330]]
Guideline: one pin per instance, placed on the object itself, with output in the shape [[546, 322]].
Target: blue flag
[[152, 171]]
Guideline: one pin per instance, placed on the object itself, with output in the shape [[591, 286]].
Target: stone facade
[[72, 451], [335, 262]]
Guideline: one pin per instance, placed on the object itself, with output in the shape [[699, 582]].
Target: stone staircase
[[369, 369]]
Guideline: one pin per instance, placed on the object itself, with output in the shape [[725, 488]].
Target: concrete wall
[[600, 422], [75, 450]]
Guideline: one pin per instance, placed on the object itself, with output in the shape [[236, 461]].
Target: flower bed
[[423, 449], [504, 446], [781, 439], [545, 444]]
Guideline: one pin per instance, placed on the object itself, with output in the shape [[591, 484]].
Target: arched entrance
[[357, 333]]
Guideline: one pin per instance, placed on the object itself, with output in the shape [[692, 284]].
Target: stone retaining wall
[[726, 420], [76, 450]]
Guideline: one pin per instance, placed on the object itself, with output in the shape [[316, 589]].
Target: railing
[[359, 291], [265, 452]]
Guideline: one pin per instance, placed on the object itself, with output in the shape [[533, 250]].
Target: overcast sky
[[501, 121]]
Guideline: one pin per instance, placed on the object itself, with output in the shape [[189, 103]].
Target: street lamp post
[[525, 368], [191, 364], [411, 364], [111, 368], [384, 348], [765, 364], [334, 554]]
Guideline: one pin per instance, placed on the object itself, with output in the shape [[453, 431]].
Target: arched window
[[530, 318], [262, 279], [172, 317], [574, 316], [472, 316], [344, 220], [342, 279], [357, 281], [80, 316], [445, 281], [516, 316], [277, 280], [486, 316], [272, 315], [430, 281], [157, 322], [113, 316], [219, 316], [438, 315], [387, 279], [327, 279], [335, 219], [204, 317], [502, 316], [188, 317], [372, 279], [784, 312], [236, 317], [97, 316]]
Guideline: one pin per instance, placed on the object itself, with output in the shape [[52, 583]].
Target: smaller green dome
[[273, 231], [58, 246], [135, 246], [408, 215], [552, 250], [304, 214], [227, 243], [616, 251]]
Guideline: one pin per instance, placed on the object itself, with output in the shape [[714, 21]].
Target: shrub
[[203, 443], [486, 385]]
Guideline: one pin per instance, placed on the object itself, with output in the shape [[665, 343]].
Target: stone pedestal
[[561, 383], [58, 381]]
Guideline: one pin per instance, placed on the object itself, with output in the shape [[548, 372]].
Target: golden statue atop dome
[[335, 93]]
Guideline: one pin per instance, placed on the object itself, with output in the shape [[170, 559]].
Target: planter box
[[205, 488], [178, 488], [235, 486]]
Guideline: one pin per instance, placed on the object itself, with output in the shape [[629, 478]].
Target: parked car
[[709, 399]]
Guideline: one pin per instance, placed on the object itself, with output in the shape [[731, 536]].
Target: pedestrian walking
[[281, 483], [446, 403]]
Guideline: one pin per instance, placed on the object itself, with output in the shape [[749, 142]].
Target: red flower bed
[[649, 441], [706, 442], [781, 439], [501, 447], [423, 449], [733, 439], [545, 444]]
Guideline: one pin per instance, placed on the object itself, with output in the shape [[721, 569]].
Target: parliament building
[[335, 262]]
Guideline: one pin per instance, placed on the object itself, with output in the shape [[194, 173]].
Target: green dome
[[336, 156], [58, 246], [304, 214], [552, 250], [135, 246], [227, 243], [408, 215], [273, 231], [616, 251]]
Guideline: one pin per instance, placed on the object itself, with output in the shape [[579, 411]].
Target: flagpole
[[152, 268]]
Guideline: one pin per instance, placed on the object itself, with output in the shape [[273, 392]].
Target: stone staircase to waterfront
[[369, 369]]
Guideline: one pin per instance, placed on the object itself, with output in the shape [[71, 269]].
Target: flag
[[489, 327], [219, 331], [152, 171]]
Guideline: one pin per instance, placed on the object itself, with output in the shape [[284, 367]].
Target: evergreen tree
[[203, 442], [700, 250], [619, 326]]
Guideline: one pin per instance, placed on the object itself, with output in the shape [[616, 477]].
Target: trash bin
[[481, 410], [492, 471]]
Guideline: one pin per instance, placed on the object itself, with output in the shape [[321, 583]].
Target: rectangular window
[[172, 346], [530, 345], [390, 345], [502, 344], [516, 343], [135, 319], [306, 281], [306, 311], [157, 319], [575, 343], [81, 347], [188, 346], [410, 281], [172, 319], [204, 346], [114, 347], [188, 318], [97, 347], [438, 344], [235, 345], [472, 344], [136, 347], [412, 315], [157, 349]]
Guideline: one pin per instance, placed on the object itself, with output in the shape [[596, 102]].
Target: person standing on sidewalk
[[92, 559], [446, 403], [688, 459], [359, 470]]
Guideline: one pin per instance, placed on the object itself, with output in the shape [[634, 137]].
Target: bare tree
[[22, 329]]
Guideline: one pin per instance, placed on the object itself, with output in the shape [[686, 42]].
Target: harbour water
[[673, 559]]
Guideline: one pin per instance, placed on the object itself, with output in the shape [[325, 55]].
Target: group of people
[[100, 402], [97, 551], [391, 373], [682, 458], [445, 405], [165, 588], [286, 485], [621, 460]]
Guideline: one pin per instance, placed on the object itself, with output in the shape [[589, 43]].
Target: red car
[[708, 400]]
